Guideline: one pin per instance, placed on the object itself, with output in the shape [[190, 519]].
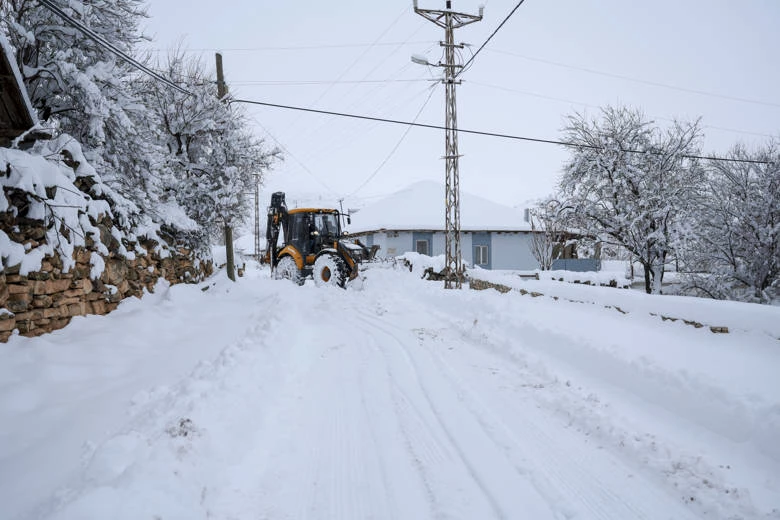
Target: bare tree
[[546, 232]]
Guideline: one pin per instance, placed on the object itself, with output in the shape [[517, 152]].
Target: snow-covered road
[[398, 401]]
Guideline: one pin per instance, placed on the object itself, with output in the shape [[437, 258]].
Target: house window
[[480, 255], [421, 246], [391, 251]]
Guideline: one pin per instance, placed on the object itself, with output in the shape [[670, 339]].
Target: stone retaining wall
[[47, 300]]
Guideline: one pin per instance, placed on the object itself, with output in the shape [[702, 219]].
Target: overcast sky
[[552, 58]]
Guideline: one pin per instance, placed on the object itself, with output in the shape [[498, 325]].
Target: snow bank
[[610, 278], [756, 318]]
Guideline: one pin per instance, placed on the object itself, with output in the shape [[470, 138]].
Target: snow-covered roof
[[16, 96], [421, 207]]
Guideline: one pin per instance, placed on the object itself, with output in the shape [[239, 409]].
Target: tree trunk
[[648, 287], [229, 252], [658, 278]]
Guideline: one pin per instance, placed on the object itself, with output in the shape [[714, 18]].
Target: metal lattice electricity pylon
[[450, 20]]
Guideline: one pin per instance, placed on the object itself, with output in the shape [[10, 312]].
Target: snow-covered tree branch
[[628, 181], [547, 235], [734, 251]]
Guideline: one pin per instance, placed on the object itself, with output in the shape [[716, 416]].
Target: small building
[[493, 236], [16, 113]]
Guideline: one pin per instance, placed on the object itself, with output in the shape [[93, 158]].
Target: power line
[[298, 47], [398, 144], [110, 47], [347, 93], [465, 66], [479, 132], [355, 62], [588, 105], [531, 94], [344, 137], [637, 80], [327, 82], [288, 152]]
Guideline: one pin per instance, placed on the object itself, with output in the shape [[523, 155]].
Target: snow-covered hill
[[262, 399]]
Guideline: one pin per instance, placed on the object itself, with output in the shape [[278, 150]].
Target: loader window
[[299, 231], [327, 224]]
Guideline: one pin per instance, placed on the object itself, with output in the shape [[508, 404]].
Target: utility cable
[[481, 132], [355, 100], [588, 105], [636, 80], [353, 64], [299, 47], [289, 153], [366, 51], [398, 144], [51, 6], [325, 82], [489, 38]]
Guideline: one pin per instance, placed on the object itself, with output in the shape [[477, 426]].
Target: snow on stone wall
[[70, 245]]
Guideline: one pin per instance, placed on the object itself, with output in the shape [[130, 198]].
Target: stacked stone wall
[[47, 300]]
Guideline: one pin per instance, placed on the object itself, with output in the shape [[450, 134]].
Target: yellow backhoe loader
[[313, 245]]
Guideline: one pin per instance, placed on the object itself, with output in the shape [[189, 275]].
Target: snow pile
[[610, 278], [54, 187], [418, 263]]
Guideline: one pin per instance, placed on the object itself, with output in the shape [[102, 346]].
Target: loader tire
[[287, 269], [329, 270]]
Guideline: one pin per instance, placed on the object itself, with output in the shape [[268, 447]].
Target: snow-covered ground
[[264, 400]]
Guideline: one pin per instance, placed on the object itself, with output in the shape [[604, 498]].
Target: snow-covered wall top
[[421, 206], [51, 180]]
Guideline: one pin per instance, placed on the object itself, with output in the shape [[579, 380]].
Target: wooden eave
[[15, 115]]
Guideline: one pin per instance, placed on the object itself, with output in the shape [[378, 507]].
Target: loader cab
[[311, 230]]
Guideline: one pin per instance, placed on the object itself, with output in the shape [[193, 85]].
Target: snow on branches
[[183, 160], [628, 182], [734, 252], [212, 156]]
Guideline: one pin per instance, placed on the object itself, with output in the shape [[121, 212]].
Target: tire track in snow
[[700, 482], [546, 457], [420, 443], [500, 503], [555, 464]]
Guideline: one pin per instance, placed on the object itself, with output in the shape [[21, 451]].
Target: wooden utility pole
[[257, 217], [450, 20], [231, 264]]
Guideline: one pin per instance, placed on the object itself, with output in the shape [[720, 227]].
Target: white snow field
[[264, 400]]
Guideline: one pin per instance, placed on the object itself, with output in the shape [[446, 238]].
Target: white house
[[493, 236]]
